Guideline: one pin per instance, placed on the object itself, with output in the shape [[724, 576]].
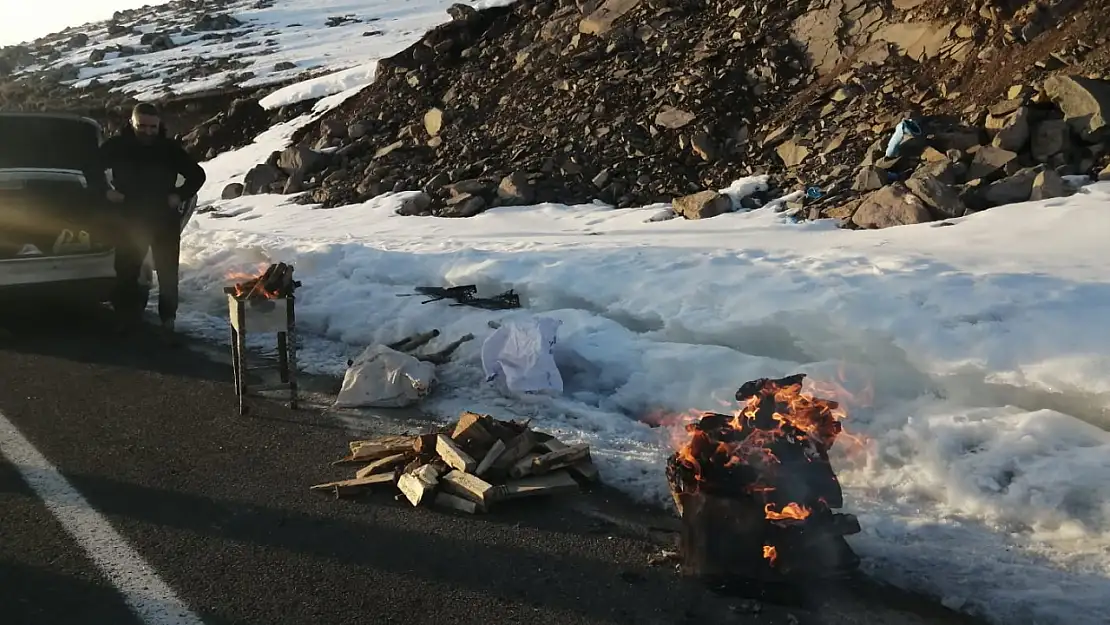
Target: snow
[[979, 461], [288, 41]]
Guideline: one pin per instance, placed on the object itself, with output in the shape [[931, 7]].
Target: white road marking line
[[151, 599]]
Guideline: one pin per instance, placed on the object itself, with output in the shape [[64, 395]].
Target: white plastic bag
[[385, 378], [520, 356]]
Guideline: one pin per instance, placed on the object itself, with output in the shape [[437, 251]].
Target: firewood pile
[[274, 283], [468, 466]]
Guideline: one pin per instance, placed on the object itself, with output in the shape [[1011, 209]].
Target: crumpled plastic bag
[[519, 357], [385, 378]]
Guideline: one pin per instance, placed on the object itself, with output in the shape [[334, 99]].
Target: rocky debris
[[1085, 103], [232, 191], [227, 130]]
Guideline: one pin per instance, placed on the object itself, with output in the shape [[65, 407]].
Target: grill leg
[[241, 348], [290, 352], [283, 356], [235, 364]]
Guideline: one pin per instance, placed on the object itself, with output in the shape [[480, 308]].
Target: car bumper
[[64, 277]]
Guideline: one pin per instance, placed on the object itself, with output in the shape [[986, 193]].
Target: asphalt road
[[212, 510]]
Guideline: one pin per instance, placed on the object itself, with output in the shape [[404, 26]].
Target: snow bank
[[980, 474]]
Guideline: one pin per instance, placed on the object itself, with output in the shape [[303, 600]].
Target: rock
[[97, 55], [989, 160], [946, 171], [462, 12], [232, 191], [673, 118], [1104, 175], [1006, 107], [703, 146], [1050, 137], [932, 155], [702, 205], [223, 21], [791, 153], [1085, 103], [1048, 184], [433, 121], [334, 129], [261, 179], [419, 203], [892, 205], [958, 140], [1013, 131], [300, 159], [464, 205], [601, 20], [282, 66], [1010, 190], [869, 179], [472, 186], [939, 196], [516, 190], [356, 130], [79, 40]]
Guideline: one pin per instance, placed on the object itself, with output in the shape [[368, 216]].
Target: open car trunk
[[46, 208]]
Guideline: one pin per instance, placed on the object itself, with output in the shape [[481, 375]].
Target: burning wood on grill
[[469, 466], [756, 490], [274, 283]]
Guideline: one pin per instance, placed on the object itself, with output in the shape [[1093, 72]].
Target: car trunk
[[45, 206]]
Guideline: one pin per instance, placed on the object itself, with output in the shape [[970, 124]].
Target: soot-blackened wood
[[723, 537]]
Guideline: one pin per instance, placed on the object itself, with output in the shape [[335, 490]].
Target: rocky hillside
[[638, 101]]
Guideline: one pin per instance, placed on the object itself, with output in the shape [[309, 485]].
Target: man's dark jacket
[[146, 175]]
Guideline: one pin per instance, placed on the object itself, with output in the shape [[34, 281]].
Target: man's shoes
[[169, 335]]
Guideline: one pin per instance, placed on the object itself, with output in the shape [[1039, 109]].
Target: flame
[[770, 553], [250, 285], [792, 511]]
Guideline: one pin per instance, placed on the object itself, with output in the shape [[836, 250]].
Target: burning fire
[[775, 418], [270, 282]]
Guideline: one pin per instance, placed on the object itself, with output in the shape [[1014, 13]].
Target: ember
[[756, 490], [275, 283]]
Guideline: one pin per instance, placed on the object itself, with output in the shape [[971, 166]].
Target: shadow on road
[[85, 333]]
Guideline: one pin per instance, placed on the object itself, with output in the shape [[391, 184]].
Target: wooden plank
[[492, 455], [344, 488], [417, 486], [447, 500], [552, 483], [383, 464], [471, 431], [468, 487], [380, 448], [456, 458]]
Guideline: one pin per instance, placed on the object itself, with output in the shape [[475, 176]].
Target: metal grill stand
[[263, 316]]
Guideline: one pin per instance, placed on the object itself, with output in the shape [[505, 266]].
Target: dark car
[[54, 232]]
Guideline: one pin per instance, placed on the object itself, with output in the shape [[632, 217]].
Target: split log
[[425, 443], [455, 457], [383, 464], [558, 459], [523, 466], [491, 456], [471, 430], [412, 342], [447, 500], [520, 446], [468, 487], [583, 470], [552, 483], [443, 356], [345, 488], [418, 485]]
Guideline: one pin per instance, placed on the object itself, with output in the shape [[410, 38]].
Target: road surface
[[132, 492]]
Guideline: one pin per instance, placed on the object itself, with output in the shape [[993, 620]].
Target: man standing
[[145, 165]]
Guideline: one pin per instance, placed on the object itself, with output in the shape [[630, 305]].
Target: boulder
[[1010, 190], [702, 205], [300, 159], [516, 190], [261, 179], [892, 205], [1048, 184], [1084, 101], [1050, 137], [1012, 130], [988, 160], [943, 199], [419, 203], [232, 191], [869, 179]]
